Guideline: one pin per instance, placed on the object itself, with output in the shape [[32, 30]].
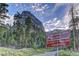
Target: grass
[[68, 53], [22, 52]]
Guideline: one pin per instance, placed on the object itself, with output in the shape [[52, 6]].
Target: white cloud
[[9, 21], [39, 7], [50, 24], [57, 23], [57, 5]]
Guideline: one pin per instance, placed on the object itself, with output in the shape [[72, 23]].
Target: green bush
[[68, 53], [64, 53]]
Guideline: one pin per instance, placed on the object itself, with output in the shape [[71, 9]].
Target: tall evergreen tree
[[3, 15], [3, 10]]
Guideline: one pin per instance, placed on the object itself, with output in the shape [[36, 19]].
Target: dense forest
[[25, 32]]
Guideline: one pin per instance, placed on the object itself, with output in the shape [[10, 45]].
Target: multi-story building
[[35, 27]]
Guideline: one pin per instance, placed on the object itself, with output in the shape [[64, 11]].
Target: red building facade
[[58, 39]]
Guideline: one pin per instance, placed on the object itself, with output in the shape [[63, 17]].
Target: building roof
[[27, 13]]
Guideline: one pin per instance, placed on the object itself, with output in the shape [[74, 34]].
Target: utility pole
[[74, 28], [57, 47]]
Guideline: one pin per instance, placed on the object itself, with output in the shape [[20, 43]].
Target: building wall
[[35, 36]]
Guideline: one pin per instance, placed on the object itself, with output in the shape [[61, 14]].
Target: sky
[[52, 15]]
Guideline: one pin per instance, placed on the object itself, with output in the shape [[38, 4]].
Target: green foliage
[[68, 53], [22, 52], [64, 53], [22, 35], [3, 10]]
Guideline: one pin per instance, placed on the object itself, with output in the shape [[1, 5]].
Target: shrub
[[68, 53]]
